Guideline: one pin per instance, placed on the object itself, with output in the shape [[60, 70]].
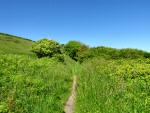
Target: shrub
[[59, 57], [46, 48], [74, 49], [131, 53]]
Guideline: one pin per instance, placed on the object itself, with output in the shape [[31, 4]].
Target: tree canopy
[[46, 48]]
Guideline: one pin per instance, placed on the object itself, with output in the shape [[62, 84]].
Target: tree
[[74, 48], [46, 48]]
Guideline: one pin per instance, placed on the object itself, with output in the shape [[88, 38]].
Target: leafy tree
[[46, 48], [74, 49], [85, 55]]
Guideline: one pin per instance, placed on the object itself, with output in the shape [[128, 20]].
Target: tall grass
[[30, 85], [114, 86]]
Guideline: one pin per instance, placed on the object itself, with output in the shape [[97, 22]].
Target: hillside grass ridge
[[10, 44], [9, 35]]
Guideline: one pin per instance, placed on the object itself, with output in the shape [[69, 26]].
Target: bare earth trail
[[69, 107]]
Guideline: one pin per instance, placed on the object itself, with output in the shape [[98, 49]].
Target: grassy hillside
[[10, 44], [108, 80]]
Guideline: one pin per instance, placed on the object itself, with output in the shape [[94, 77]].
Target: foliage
[[104, 52], [109, 80], [59, 57], [112, 53], [114, 86], [46, 48], [133, 53], [31, 85], [74, 49]]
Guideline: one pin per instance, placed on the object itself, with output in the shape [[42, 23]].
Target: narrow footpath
[[69, 107]]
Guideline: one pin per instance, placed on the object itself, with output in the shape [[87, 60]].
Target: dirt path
[[69, 107]]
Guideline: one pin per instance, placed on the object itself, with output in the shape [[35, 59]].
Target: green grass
[[10, 44], [31, 85], [114, 86]]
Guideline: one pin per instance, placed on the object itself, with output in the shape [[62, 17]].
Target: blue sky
[[113, 23]]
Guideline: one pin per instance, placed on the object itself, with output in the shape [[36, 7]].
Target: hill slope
[[10, 44]]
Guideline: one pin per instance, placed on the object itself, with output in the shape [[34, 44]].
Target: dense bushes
[[74, 49], [133, 53], [81, 52], [104, 52], [46, 48], [112, 53]]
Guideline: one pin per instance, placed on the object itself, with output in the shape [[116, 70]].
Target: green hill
[[10, 44]]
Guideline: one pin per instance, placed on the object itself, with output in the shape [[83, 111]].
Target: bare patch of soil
[[69, 107]]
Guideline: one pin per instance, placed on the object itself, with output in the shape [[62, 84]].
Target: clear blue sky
[[114, 23]]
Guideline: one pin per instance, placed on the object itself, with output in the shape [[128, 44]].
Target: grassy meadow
[[114, 86], [10, 44], [108, 80], [31, 85]]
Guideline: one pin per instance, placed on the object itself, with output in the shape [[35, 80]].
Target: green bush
[[74, 49], [131, 53], [59, 57], [112, 53], [46, 48]]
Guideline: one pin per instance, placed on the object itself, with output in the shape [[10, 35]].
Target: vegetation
[[74, 49], [46, 48], [112, 53], [10, 44], [31, 85], [114, 86], [109, 80]]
